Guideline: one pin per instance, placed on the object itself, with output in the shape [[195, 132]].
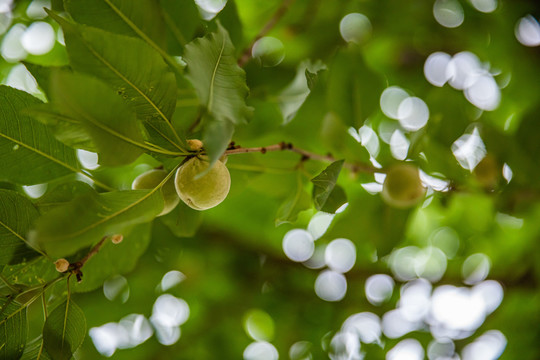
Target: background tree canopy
[[383, 160]]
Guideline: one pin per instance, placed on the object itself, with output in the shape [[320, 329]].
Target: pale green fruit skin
[[205, 192], [402, 186], [150, 180]]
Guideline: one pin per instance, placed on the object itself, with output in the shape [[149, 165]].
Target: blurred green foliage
[[157, 74]]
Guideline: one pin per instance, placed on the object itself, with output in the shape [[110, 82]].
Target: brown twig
[[280, 12], [354, 167], [76, 267]]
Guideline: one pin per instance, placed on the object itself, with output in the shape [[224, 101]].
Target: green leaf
[[42, 74], [95, 109], [182, 19], [37, 271], [324, 184], [336, 199], [294, 204], [61, 194], [140, 18], [183, 221], [294, 95], [34, 350], [353, 89], [86, 219], [230, 20], [147, 85], [64, 330], [17, 214], [216, 137], [114, 259], [219, 82], [336, 138], [29, 153], [65, 128], [12, 329]]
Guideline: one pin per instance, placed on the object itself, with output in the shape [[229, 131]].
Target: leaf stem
[[280, 12], [354, 167], [44, 302]]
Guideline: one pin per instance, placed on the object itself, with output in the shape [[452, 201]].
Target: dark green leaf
[[12, 329], [336, 199], [95, 109], [65, 128], [29, 153], [324, 183], [183, 221], [140, 18], [34, 350], [335, 136], [86, 219], [64, 330], [294, 204], [61, 195], [42, 74], [353, 89], [294, 95], [147, 84], [182, 19], [114, 259], [230, 20], [17, 214]]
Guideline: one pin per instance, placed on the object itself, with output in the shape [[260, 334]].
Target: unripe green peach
[[150, 180], [402, 186], [204, 192]]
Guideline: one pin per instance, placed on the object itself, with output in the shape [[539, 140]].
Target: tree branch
[[280, 12], [354, 167]]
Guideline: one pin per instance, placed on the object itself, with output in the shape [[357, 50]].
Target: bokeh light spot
[[259, 325], [355, 27], [366, 326], [39, 38], [475, 268], [435, 68], [390, 100], [298, 245], [485, 6], [260, 350], [269, 51], [88, 159], [379, 288], [408, 349], [340, 255], [448, 13], [116, 288], [469, 150], [527, 31], [319, 223], [171, 279], [331, 286]]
